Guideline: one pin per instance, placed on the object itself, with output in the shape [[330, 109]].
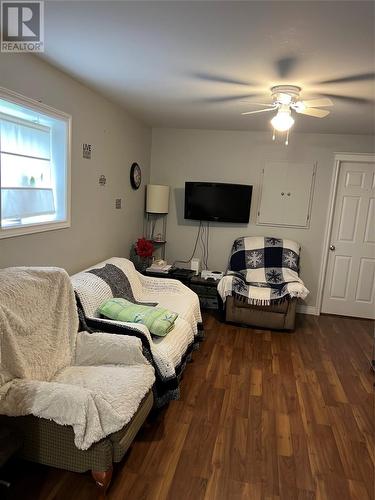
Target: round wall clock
[[135, 176]]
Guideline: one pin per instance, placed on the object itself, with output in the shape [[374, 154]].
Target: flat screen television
[[219, 202]]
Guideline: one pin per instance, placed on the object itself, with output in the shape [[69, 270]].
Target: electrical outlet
[[118, 203]]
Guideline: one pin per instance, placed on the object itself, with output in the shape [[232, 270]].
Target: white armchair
[[89, 385]]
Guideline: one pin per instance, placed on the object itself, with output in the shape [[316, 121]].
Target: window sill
[[34, 228]]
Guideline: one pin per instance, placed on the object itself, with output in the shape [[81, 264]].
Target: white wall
[[98, 231], [232, 156]]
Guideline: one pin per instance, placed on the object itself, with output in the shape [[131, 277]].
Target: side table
[[183, 275], [206, 289]]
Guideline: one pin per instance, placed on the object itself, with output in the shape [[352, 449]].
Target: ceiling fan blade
[[351, 78], [260, 104], [221, 79], [317, 113], [226, 98], [317, 103], [353, 100], [257, 111], [285, 66]]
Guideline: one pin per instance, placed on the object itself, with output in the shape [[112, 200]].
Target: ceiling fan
[[285, 100]]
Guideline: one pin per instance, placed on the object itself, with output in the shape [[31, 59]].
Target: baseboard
[[303, 309]]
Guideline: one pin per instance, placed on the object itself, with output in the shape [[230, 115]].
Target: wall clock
[[135, 176]]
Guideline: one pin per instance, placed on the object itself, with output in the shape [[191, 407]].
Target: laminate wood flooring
[[262, 415]]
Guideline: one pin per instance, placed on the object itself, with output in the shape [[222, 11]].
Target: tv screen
[[214, 201]]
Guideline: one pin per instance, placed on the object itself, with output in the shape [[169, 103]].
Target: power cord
[[203, 248], [194, 250], [203, 237], [208, 243]]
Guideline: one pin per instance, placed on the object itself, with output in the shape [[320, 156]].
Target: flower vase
[[140, 263]]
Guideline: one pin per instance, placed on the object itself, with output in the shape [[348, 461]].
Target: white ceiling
[[170, 63]]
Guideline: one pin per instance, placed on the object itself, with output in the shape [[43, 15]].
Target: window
[[34, 166]]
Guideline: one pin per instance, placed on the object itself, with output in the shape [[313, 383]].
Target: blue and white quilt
[[263, 270]]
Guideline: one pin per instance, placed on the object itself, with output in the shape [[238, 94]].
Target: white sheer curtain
[[25, 138], [25, 163]]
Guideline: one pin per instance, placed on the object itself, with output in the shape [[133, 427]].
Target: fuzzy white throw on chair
[[92, 382]]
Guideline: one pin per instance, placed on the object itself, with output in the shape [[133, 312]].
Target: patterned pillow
[[158, 320]]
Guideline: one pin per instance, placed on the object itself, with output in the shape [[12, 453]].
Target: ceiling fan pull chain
[[287, 138]]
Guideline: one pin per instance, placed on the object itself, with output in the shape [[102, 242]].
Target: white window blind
[[34, 177], [24, 138]]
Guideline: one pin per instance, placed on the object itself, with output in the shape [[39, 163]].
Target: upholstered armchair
[[78, 399], [262, 283]]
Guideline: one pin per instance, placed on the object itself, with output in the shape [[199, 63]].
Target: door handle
[[332, 248]]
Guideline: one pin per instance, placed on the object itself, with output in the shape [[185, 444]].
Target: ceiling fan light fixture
[[284, 98], [283, 120]]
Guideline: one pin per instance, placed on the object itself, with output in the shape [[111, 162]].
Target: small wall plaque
[[86, 151]]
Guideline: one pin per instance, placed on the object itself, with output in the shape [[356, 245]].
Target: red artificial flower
[[144, 248]]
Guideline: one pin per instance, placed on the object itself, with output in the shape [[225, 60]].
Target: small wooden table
[[183, 275], [206, 289]]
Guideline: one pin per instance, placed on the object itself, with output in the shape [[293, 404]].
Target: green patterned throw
[[158, 320]]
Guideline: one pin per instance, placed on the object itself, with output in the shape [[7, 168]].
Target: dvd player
[[216, 275], [178, 272]]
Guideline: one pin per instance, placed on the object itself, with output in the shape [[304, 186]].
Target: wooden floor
[[262, 416]]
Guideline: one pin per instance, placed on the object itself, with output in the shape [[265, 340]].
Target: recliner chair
[[262, 285], [280, 316]]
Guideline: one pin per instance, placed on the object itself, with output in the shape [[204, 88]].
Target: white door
[[349, 285]]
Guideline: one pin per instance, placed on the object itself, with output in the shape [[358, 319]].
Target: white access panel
[[286, 194]]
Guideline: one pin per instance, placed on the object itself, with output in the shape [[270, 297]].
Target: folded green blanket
[[158, 320]]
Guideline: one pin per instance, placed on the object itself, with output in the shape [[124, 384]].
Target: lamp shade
[[157, 199]]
